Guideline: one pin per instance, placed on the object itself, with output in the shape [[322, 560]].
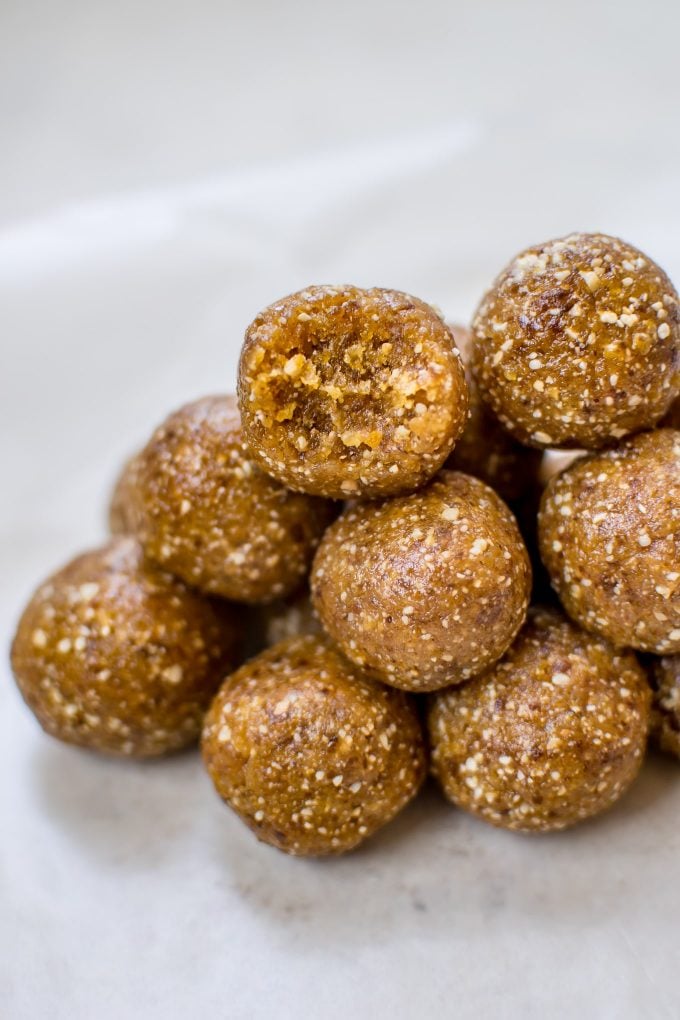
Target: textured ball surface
[[551, 735], [424, 590], [577, 343], [609, 534], [206, 512], [113, 654], [347, 392], [314, 756]]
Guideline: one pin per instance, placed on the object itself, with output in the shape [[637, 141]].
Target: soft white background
[[166, 168]]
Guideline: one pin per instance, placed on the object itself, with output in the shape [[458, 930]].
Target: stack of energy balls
[[347, 522]]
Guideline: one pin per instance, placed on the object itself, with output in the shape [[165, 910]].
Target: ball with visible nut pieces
[[347, 392], [314, 756], [551, 735], [206, 512], [577, 343], [114, 654], [609, 534], [424, 590]]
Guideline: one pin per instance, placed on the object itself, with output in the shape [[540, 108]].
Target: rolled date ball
[[551, 735], [115, 655], [347, 392], [120, 518], [205, 511], [313, 756], [666, 705], [425, 590], [609, 535], [578, 343], [485, 449]]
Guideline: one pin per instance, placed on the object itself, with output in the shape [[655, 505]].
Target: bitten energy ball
[[551, 735], [485, 449], [349, 392], [609, 534], [578, 343], [425, 590], [113, 654], [313, 756], [203, 510], [666, 706]]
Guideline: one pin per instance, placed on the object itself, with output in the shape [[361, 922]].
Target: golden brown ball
[[114, 654], [551, 735], [349, 392], [205, 511], [609, 534], [485, 449], [666, 705], [313, 756], [578, 343], [424, 590]]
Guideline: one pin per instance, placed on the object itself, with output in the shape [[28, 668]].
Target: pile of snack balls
[[364, 566]]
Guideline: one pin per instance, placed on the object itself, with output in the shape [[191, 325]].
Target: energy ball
[[666, 706], [313, 756], [120, 518], [347, 392], [424, 590], [114, 654], [485, 449], [205, 512], [609, 535], [577, 343], [551, 735]]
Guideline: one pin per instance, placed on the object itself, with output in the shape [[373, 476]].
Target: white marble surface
[[167, 169]]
